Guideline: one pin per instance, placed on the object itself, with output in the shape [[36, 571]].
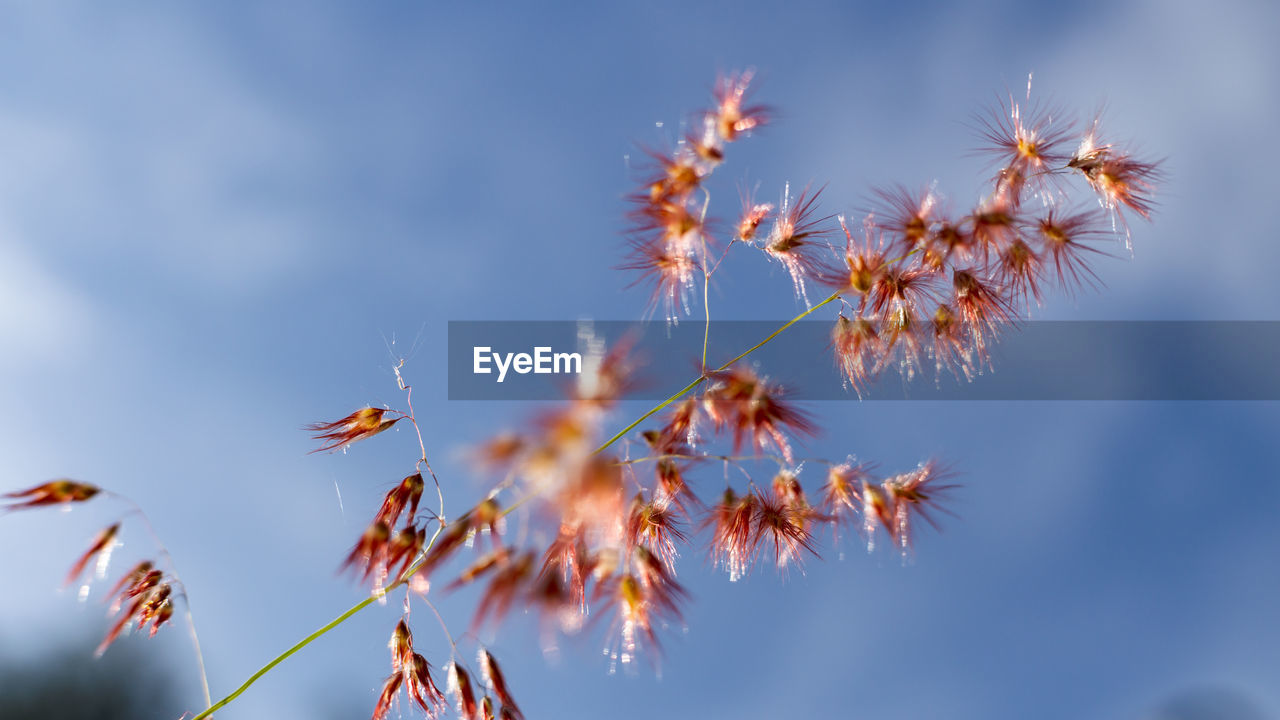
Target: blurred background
[[220, 222]]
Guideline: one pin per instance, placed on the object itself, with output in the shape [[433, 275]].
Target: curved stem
[[422, 460], [136, 509]]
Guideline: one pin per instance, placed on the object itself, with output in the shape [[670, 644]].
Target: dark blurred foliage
[[1209, 704], [69, 684]]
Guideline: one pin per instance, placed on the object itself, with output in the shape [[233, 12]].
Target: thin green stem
[[321, 631], [830, 298], [706, 283], [698, 381], [288, 653], [706, 309], [621, 433]]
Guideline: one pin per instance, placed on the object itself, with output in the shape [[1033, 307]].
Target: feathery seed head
[[1117, 177], [1025, 141], [795, 240], [1066, 241], [784, 526], [150, 603], [908, 215], [865, 260], [679, 174]]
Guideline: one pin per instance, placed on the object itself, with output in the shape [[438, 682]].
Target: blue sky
[[213, 220]]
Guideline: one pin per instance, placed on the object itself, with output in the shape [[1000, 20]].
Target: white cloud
[[41, 319]]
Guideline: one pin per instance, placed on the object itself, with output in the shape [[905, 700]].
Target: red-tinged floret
[[567, 556], [732, 115], [1066, 242], [734, 538], [1027, 143], [359, 425], [797, 240], [950, 347], [495, 679], [464, 694], [669, 271], [754, 410], [1019, 269], [842, 493], [509, 582], [671, 488], [783, 526], [981, 306], [149, 603], [678, 174], [407, 493], [99, 548], [876, 507], [654, 526], [501, 452], [679, 433], [486, 564], [907, 215], [131, 578], [948, 241], [606, 377], [422, 687], [864, 261], [643, 599], [858, 350], [404, 547], [390, 691], [55, 492], [752, 215], [401, 645], [916, 494], [994, 225], [1116, 176], [369, 556]]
